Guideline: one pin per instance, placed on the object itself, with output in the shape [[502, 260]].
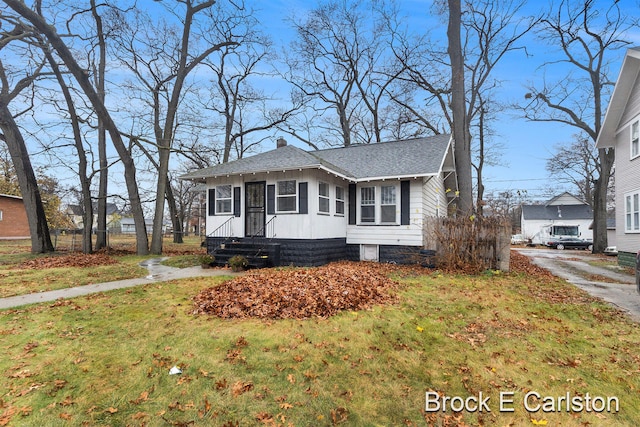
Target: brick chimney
[[281, 142]]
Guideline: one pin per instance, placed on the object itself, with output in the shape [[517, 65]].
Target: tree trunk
[[101, 226], [38, 228], [81, 76], [161, 191], [480, 166], [344, 125], [600, 241], [175, 217], [461, 137]]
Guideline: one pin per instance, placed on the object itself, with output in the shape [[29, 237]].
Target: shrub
[[238, 262], [206, 259]]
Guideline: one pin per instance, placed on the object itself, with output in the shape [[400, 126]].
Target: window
[[0, 215], [632, 213], [323, 197], [635, 139], [388, 204], [339, 201], [223, 199], [286, 196], [368, 204]]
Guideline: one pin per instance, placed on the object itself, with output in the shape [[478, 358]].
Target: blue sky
[[527, 145]]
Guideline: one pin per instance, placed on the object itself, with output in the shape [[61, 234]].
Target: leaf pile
[[299, 293], [519, 263], [73, 260]]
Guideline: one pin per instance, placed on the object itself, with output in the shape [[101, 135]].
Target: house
[[13, 218], [568, 215], [362, 202], [127, 225], [621, 131], [75, 213]]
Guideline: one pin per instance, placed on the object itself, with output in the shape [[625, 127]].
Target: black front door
[[255, 209]]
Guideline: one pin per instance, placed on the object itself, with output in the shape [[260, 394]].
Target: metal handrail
[[225, 227], [270, 225]]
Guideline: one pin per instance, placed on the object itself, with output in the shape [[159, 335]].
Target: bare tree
[[243, 109], [81, 76], [85, 181], [576, 165], [586, 32], [103, 174], [487, 31], [162, 56], [460, 127], [12, 136], [338, 61]]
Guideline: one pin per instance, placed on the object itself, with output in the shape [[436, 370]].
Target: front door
[[255, 209]]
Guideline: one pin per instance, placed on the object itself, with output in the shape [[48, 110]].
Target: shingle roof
[[112, 208], [414, 157], [557, 212]]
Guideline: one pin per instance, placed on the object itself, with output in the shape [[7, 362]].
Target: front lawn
[[104, 359]]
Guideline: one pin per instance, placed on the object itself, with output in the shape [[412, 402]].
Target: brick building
[[13, 218]]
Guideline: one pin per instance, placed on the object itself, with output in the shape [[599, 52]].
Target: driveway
[[573, 266]]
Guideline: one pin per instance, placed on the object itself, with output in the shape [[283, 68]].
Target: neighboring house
[[611, 229], [562, 210], [621, 130], [75, 213], [13, 218], [128, 226], [362, 202]]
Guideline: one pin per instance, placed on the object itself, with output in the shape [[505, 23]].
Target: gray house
[[363, 202], [568, 215], [621, 131]]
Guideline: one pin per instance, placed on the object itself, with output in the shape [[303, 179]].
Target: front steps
[[259, 254]]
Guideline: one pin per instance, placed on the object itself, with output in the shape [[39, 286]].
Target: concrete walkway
[[157, 273], [572, 266]]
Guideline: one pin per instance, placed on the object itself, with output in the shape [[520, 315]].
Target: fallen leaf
[[240, 388], [540, 422]]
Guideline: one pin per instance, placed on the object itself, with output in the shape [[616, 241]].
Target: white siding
[[434, 198], [529, 228], [566, 199], [405, 235], [627, 180], [288, 225]]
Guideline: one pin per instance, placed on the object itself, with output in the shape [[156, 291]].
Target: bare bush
[[468, 243]]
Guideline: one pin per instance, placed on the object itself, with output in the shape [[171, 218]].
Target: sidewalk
[[157, 273]]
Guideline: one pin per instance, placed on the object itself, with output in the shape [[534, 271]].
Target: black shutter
[[212, 201], [271, 199], [404, 202], [303, 198], [236, 201], [352, 204]]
